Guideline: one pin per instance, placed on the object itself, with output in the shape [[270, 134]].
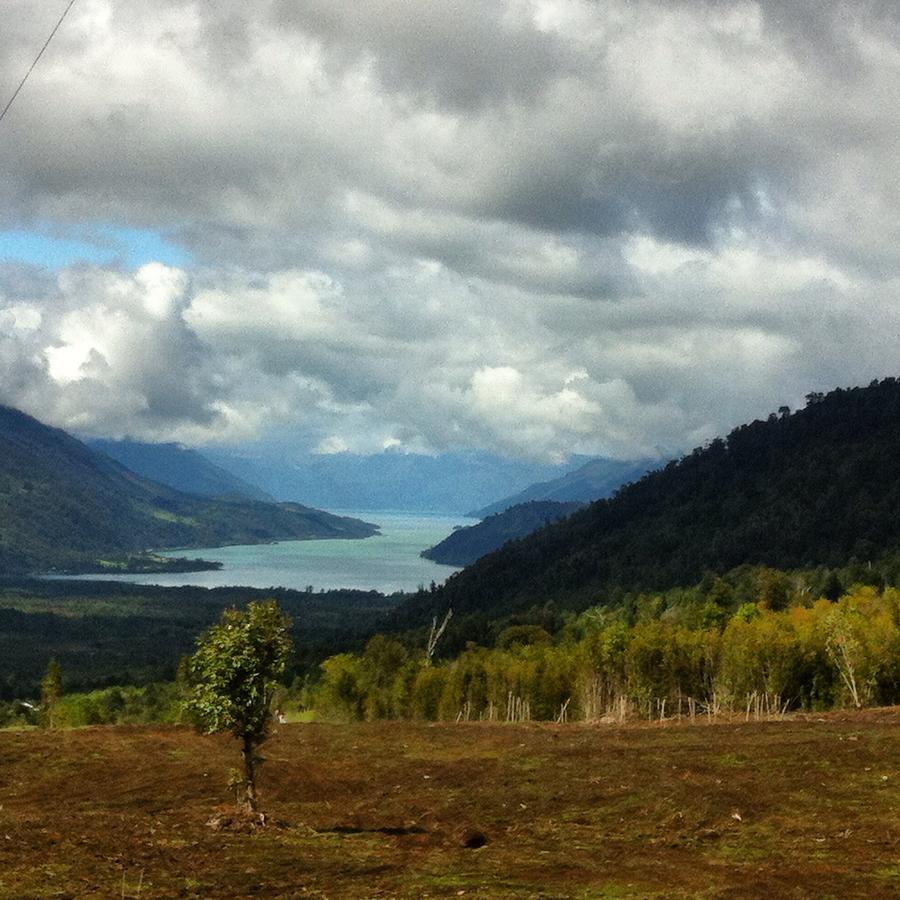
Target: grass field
[[807, 807]]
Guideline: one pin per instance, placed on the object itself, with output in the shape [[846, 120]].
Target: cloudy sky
[[537, 227]]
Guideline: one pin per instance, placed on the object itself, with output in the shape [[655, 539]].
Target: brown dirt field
[[807, 807]]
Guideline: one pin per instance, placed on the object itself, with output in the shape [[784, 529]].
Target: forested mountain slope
[[181, 468], [464, 545], [64, 505], [820, 486]]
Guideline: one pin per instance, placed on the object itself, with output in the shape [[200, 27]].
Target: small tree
[[861, 637], [51, 691], [234, 674]]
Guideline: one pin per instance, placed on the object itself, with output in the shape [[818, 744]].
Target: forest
[[107, 634], [815, 487], [757, 641], [464, 545]]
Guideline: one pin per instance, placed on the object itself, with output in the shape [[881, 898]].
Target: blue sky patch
[[102, 245]]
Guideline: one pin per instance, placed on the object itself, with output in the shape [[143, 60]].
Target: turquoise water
[[387, 562]]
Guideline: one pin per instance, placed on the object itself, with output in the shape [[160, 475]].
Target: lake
[[387, 562]]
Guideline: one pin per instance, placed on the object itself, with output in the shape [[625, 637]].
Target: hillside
[[65, 506], [464, 545], [181, 468], [596, 479], [819, 486]]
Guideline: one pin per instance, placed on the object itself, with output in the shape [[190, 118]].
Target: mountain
[[596, 479], [64, 505], [449, 482], [464, 545], [180, 467], [817, 487]]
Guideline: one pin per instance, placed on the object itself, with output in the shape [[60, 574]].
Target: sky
[[533, 227]]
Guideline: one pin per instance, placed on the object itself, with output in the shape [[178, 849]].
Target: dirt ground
[[807, 807]]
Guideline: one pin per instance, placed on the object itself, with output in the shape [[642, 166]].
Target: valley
[[686, 689], [388, 562], [66, 507], [449, 450]]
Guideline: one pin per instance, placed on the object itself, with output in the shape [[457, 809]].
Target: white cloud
[[290, 305], [536, 226], [20, 317], [331, 445]]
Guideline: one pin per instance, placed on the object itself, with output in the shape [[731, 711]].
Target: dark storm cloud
[[462, 55]]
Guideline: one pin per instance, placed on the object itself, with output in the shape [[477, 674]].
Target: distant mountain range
[[817, 487], [450, 482], [465, 545], [594, 480], [180, 467], [66, 506]]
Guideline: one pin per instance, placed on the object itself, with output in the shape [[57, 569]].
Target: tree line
[[647, 658], [755, 640]]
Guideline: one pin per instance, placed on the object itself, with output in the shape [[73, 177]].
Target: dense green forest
[[464, 545], [106, 633], [756, 641], [820, 486], [65, 506], [753, 642]]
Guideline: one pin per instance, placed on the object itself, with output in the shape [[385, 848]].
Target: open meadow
[[803, 807]]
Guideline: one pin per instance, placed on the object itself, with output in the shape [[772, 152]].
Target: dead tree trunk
[[436, 633]]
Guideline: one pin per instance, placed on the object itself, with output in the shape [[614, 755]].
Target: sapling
[[233, 676]]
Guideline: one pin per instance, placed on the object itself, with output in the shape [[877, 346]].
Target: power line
[[40, 54]]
